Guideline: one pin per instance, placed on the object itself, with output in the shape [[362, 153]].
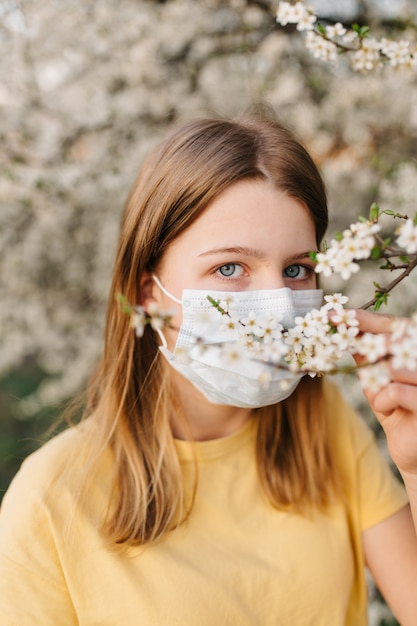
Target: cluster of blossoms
[[361, 242], [157, 319], [319, 341], [401, 352], [317, 344], [327, 42], [355, 244]]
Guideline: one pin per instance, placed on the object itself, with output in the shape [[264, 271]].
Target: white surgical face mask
[[222, 381]]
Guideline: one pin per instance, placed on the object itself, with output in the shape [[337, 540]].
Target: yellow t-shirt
[[236, 561]]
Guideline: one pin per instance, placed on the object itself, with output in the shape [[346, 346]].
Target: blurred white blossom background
[[87, 88]]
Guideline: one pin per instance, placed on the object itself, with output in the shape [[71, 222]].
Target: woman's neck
[[202, 420]]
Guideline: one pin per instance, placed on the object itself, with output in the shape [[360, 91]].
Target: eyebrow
[[252, 252], [244, 250]]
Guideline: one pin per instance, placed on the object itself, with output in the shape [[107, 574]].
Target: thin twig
[[384, 290]]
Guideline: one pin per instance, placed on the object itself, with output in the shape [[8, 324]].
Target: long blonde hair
[[130, 399]]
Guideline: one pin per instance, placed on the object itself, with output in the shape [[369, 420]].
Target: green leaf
[[381, 299], [362, 31], [374, 212], [375, 253], [338, 236], [386, 266], [216, 304], [313, 256], [124, 303], [321, 29], [394, 214]]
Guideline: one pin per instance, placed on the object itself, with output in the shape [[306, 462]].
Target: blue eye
[[295, 271], [230, 270]]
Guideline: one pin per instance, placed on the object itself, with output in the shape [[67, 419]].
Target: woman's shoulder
[[48, 467], [57, 450]]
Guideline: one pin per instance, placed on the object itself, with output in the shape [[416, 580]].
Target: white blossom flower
[[181, 355], [285, 13], [364, 229], [232, 353], [274, 351], [320, 319], [295, 14], [357, 247], [203, 317], [306, 21], [335, 301], [264, 377], [316, 364], [345, 267], [302, 323], [230, 324], [320, 48], [397, 52], [159, 318], [157, 323], [294, 337], [374, 377], [367, 57], [288, 13], [350, 37], [250, 325], [399, 328], [138, 321], [345, 316], [373, 347], [343, 337], [269, 329], [404, 355], [251, 343], [324, 264], [225, 302], [284, 385], [335, 30], [404, 343], [407, 236]]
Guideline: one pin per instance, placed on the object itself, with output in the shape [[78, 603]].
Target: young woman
[[192, 494]]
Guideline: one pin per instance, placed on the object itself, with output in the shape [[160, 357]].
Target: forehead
[[251, 212]]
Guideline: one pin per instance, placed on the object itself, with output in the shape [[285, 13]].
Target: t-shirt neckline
[[215, 448]]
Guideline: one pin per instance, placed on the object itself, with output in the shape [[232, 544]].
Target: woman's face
[[250, 237]]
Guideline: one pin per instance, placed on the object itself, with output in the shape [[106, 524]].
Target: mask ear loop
[[161, 337], [167, 293]]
